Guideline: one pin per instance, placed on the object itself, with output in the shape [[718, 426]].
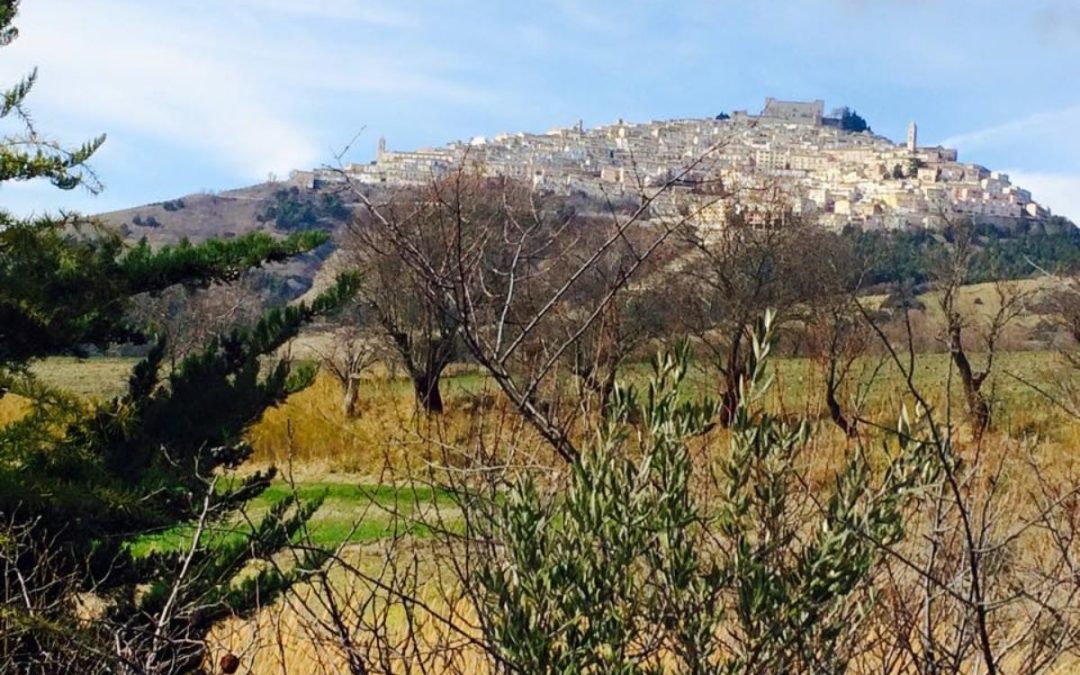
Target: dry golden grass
[[284, 637], [1031, 446], [12, 409], [392, 435]]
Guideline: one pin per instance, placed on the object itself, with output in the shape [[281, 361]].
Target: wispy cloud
[[1032, 141], [240, 83], [1058, 23], [1055, 121], [136, 75], [1060, 192]]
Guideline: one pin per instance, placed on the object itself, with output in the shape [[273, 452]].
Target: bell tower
[[912, 137]]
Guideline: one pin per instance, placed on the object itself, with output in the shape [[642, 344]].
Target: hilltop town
[[840, 176]]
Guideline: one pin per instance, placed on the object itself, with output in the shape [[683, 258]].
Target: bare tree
[[36, 593], [503, 264], [1065, 299], [346, 350], [1067, 305], [187, 317], [985, 584], [837, 336], [1010, 298], [640, 314], [731, 274], [352, 350], [409, 304]]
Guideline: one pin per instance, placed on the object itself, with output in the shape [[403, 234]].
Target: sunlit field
[[356, 462], [374, 473], [310, 433]]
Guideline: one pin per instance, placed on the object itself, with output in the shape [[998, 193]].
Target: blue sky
[[214, 94]]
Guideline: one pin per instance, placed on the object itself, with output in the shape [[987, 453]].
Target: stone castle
[[838, 176]]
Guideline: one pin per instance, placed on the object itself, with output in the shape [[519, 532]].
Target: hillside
[[195, 217], [843, 177], [224, 215]]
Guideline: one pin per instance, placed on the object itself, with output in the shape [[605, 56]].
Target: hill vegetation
[[290, 210], [913, 257]]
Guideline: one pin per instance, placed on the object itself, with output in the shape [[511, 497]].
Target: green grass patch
[[350, 513]]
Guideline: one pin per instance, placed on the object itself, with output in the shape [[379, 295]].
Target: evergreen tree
[[79, 482], [850, 120]]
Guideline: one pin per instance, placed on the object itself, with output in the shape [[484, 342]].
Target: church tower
[[381, 151], [912, 137]]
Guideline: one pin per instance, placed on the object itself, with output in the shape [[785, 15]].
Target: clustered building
[[839, 176]]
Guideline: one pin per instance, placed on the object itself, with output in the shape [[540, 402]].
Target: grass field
[[311, 432], [360, 467], [94, 378], [311, 429], [351, 513], [353, 463]]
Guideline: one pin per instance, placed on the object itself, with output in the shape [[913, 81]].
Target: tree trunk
[[978, 411], [730, 398], [427, 393], [978, 408], [603, 388], [837, 414], [350, 404]]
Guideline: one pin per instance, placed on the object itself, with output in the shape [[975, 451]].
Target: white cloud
[[1052, 122], [1043, 135], [238, 83], [1060, 192], [160, 74]]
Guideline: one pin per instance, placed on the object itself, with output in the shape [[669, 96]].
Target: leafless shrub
[[1010, 302], [352, 350], [187, 318]]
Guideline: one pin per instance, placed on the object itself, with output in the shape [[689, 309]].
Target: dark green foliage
[[79, 482], [143, 463], [910, 256], [63, 289], [173, 205], [104, 471], [8, 33], [290, 209], [851, 120], [723, 116]]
